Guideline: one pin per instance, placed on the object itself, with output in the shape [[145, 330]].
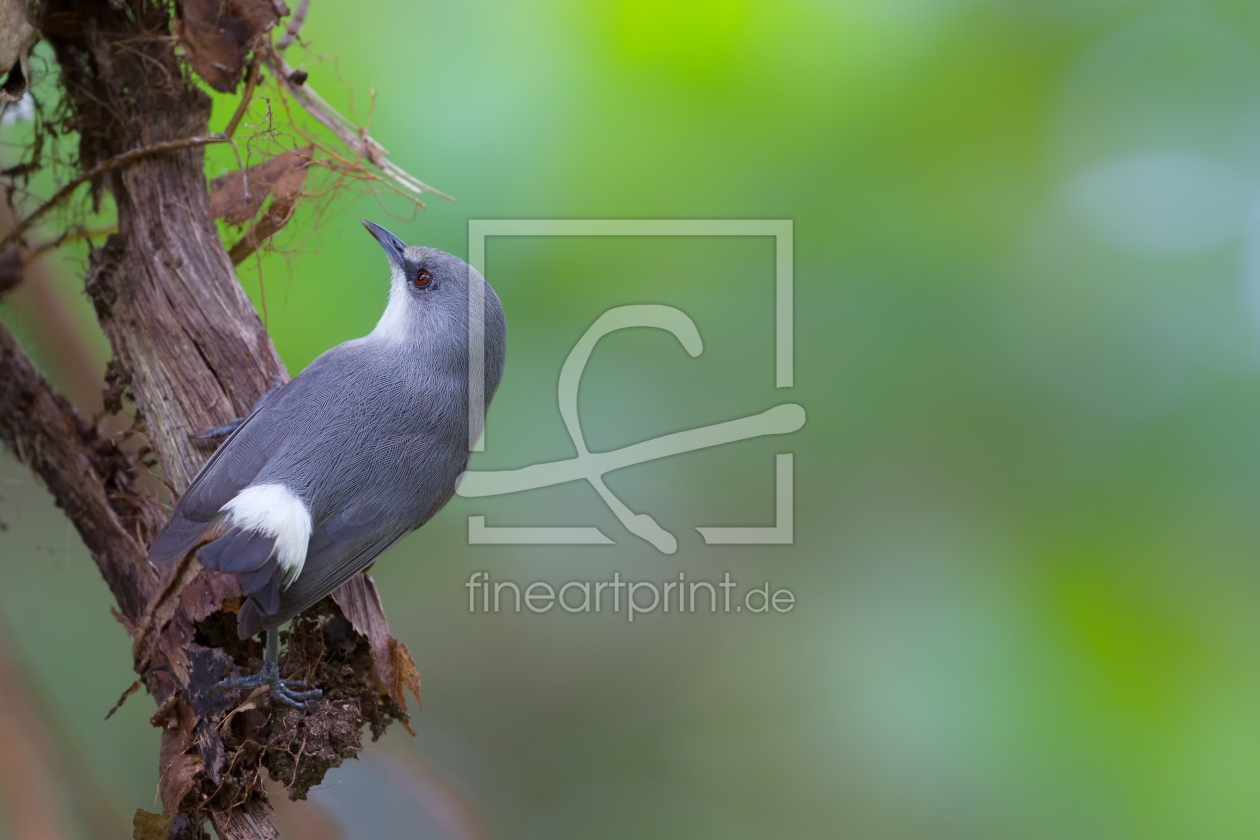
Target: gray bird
[[360, 449]]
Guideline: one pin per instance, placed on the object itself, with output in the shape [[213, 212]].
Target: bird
[[333, 468]]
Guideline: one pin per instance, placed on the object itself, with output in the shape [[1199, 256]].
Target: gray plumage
[[371, 438]]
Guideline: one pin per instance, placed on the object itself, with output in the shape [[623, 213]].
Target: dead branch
[[281, 175], [69, 237], [295, 25], [354, 137], [131, 156], [50, 437], [121, 159]]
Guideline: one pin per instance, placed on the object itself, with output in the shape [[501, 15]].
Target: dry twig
[[133, 155], [355, 138], [101, 168], [295, 25]]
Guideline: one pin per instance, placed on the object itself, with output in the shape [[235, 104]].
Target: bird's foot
[[230, 426], [216, 432], [295, 693]]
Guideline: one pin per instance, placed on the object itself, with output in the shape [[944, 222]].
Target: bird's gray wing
[[230, 469], [341, 546]]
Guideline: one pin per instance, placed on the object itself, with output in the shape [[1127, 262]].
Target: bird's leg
[[294, 693], [215, 432], [234, 424]]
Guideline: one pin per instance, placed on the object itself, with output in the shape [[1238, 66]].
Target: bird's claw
[[295, 693], [219, 431], [290, 693], [230, 426]]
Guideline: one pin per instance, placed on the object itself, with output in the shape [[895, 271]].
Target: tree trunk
[[191, 352], [184, 333]]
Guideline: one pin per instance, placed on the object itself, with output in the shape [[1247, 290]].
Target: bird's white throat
[[395, 323]]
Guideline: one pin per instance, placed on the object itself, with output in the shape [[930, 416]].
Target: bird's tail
[[251, 557], [176, 539]]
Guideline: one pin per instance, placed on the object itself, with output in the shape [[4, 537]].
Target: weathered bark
[[255, 820], [188, 346], [191, 352], [164, 288]]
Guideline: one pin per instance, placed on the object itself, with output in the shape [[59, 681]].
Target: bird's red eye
[[422, 278]]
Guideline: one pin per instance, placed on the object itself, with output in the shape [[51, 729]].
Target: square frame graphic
[[780, 229]]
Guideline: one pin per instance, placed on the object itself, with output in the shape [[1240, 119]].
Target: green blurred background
[[1027, 250]]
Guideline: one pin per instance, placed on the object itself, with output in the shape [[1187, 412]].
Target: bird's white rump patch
[[274, 511]]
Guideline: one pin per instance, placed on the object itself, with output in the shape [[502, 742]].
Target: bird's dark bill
[[393, 246]]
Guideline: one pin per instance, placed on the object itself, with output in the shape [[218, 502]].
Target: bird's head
[[429, 290]]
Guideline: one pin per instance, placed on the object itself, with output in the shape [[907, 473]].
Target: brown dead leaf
[[405, 673], [281, 176], [147, 826], [217, 35], [276, 217], [178, 780], [207, 594], [176, 721], [360, 603], [178, 767]]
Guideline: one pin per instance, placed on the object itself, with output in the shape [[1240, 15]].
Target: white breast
[[274, 511]]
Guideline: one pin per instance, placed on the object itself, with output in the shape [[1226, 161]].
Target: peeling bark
[[191, 352]]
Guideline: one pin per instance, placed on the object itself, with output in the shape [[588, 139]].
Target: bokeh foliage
[[1028, 292]]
